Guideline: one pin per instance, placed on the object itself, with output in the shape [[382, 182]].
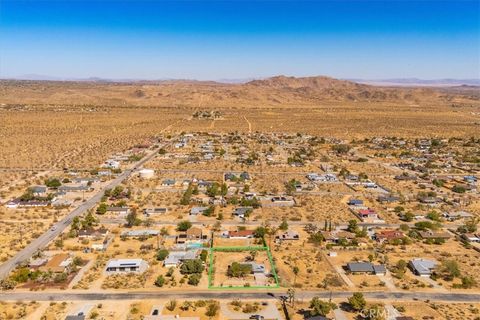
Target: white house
[[126, 266]]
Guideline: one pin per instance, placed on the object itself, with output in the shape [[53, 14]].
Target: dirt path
[[387, 279], [249, 124], [80, 274], [38, 313], [339, 314]]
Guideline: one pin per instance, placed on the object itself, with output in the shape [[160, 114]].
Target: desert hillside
[[276, 91], [79, 123]]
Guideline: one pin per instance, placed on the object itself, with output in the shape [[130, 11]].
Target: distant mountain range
[[409, 82], [274, 91], [420, 82]]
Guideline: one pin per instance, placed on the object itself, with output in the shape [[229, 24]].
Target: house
[[470, 179], [367, 214], [92, 233], [174, 258], [151, 211], [218, 201], [457, 215], [388, 235], [355, 202], [17, 203], [59, 263], [111, 164], [140, 233], [122, 211], [369, 185], [181, 238], [61, 203], [74, 188], [168, 183], [249, 195], [126, 266], [194, 234], [197, 210], [231, 176], [256, 267], [352, 177], [201, 199], [12, 204], [434, 235], [38, 191], [328, 177], [471, 237], [422, 267], [241, 212], [280, 201], [241, 234], [203, 185], [86, 180], [431, 201], [366, 267], [288, 235], [101, 246], [405, 177]]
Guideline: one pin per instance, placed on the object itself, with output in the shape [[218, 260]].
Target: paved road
[[58, 228], [271, 223], [230, 295]]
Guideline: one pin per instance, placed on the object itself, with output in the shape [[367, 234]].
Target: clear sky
[[239, 39]]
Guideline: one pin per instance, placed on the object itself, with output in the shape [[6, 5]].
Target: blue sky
[[240, 39]]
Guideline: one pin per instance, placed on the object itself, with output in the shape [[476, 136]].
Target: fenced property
[[218, 268]]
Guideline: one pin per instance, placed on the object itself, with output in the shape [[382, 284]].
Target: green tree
[[316, 238], [357, 301], [102, 208], [162, 254], [284, 225], [194, 279], [132, 219], [53, 183], [187, 195], [449, 269], [191, 266], [320, 308], [238, 270], [260, 232], [352, 226], [459, 189], [212, 309], [160, 281], [184, 225]]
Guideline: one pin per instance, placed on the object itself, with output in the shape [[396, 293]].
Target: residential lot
[[198, 212]]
